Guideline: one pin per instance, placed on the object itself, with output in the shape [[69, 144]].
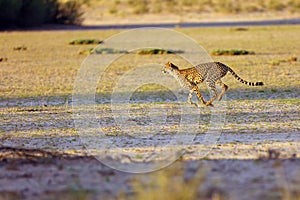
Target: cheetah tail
[[244, 81]]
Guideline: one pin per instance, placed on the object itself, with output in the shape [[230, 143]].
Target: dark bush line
[[139, 52], [231, 52], [158, 51], [28, 13], [85, 41]]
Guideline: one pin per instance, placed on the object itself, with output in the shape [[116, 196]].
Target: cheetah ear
[[173, 66]]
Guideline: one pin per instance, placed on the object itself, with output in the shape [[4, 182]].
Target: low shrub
[[102, 51], [85, 41], [107, 51], [86, 52], [20, 48], [157, 51], [231, 52]]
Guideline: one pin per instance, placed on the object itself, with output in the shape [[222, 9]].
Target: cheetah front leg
[[190, 98], [196, 90], [200, 97]]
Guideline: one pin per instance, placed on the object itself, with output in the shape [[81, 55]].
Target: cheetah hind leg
[[224, 89], [214, 94]]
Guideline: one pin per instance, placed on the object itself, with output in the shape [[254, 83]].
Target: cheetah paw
[[209, 104], [192, 103]]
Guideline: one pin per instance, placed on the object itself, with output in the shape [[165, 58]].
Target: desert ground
[[43, 154]]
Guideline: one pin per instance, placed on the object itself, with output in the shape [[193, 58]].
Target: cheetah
[[211, 73]]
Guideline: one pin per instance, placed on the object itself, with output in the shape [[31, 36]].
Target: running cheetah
[[211, 73]]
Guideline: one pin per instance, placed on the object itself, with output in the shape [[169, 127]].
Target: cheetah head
[[169, 68]]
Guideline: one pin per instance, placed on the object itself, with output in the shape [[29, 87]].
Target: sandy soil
[[256, 156], [39, 175]]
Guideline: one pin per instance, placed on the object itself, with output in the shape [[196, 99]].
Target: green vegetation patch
[[157, 51], [85, 41], [231, 52], [102, 51], [107, 51]]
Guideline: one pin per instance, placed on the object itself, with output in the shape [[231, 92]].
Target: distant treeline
[[24, 13]]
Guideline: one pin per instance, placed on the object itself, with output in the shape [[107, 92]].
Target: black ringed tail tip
[[259, 84], [243, 81]]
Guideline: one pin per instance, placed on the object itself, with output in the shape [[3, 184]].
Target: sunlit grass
[[49, 65]]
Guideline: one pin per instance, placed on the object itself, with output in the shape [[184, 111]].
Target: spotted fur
[[211, 73]]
